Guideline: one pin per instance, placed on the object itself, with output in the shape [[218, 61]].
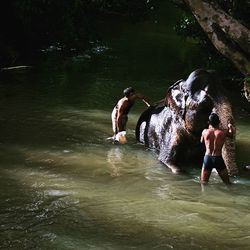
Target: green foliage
[[247, 79], [28, 25]]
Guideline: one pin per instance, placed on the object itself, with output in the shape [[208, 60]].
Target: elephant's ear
[[175, 98]]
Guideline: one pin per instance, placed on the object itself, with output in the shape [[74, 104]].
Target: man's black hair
[[214, 120], [128, 91]]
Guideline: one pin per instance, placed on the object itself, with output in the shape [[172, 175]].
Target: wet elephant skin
[[173, 126]]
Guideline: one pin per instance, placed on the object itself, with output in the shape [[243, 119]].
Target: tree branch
[[223, 31]]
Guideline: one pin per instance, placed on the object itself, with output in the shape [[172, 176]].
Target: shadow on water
[[91, 222], [65, 186], [36, 211]]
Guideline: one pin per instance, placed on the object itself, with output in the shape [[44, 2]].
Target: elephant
[[173, 126]]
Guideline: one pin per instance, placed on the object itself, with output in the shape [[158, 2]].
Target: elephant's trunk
[[223, 109]]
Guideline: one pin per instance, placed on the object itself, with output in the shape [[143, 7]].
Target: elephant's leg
[[169, 162], [171, 153], [173, 159]]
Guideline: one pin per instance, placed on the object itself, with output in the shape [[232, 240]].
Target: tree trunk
[[229, 36]]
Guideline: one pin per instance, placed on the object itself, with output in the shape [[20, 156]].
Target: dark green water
[[63, 186]]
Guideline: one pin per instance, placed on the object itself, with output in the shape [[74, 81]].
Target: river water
[[64, 186]]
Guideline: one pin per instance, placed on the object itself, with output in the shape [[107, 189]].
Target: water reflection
[[116, 159], [63, 186]]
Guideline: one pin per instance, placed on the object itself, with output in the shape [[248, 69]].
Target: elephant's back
[[144, 119]]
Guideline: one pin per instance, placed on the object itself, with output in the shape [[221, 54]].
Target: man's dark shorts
[[123, 124], [210, 162]]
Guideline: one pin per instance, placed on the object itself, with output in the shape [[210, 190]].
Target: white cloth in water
[[121, 137]]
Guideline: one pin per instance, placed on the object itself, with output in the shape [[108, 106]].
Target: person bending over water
[[214, 139], [120, 112]]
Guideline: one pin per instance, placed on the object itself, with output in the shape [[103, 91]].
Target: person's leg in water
[[206, 169], [120, 137], [114, 123], [205, 174], [222, 170]]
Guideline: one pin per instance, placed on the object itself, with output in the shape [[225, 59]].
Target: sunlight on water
[[119, 191], [82, 187], [65, 186]]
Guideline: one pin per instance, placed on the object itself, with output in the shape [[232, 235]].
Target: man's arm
[[202, 136], [143, 98]]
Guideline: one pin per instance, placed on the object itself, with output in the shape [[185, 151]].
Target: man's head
[[214, 120], [128, 91]]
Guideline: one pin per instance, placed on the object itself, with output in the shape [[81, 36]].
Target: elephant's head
[[174, 126]]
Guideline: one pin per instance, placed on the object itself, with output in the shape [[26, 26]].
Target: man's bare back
[[214, 139]]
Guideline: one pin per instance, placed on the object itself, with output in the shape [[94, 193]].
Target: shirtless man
[[120, 112], [214, 139]]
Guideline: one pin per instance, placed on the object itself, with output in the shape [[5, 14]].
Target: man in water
[[214, 138], [120, 112]]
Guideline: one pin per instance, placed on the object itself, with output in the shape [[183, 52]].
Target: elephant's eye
[[176, 94]]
